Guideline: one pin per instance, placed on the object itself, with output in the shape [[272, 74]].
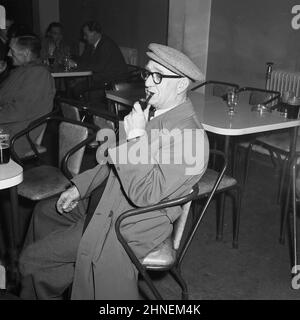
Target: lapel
[[172, 118]]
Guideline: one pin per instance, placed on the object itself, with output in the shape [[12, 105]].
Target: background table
[[60, 75], [69, 74]]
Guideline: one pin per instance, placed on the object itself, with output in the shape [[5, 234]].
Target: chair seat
[[42, 182], [161, 258], [209, 178], [279, 140], [40, 150], [257, 148]]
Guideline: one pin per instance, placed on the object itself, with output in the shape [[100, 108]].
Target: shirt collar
[[158, 112]]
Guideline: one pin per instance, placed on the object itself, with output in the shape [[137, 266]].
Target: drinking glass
[[51, 60], [232, 101], [4, 148], [66, 63]]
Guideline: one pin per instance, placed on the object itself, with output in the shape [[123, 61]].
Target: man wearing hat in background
[[102, 268]]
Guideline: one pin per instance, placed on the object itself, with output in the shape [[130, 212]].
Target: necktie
[[151, 113]]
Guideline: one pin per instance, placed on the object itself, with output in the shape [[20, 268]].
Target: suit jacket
[[103, 270], [106, 61]]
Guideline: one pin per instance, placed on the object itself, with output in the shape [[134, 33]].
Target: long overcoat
[[103, 270]]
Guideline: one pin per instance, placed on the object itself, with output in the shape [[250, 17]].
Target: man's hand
[[68, 200], [135, 122]]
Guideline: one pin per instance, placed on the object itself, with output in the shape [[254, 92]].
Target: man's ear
[[183, 84]]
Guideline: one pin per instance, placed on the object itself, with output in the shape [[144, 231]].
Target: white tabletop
[[213, 114], [11, 174], [66, 74]]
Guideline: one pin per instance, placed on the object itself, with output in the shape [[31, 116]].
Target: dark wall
[[131, 23], [244, 35]]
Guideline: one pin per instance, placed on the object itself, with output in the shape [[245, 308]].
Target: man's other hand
[[68, 200]]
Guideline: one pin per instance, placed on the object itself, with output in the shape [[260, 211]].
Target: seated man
[[103, 57], [28, 92], [63, 248]]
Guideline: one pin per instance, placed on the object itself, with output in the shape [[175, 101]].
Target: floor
[[258, 269]]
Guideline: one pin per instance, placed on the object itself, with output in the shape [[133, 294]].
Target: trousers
[[48, 258]]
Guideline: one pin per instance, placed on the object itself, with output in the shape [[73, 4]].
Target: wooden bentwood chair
[[169, 256]]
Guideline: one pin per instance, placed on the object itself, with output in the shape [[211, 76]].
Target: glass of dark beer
[[4, 148], [51, 60]]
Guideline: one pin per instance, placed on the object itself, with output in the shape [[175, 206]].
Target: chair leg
[[281, 182], [285, 209], [176, 274], [214, 156], [236, 226], [295, 237], [221, 217], [247, 163], [235, 158]]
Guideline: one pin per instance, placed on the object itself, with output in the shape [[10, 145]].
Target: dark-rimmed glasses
[[156, 76]]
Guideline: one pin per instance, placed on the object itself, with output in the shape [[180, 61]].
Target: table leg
[[286, 203], [15, 236], [89, 83], [15, 216], [222, 197], [295, 263]]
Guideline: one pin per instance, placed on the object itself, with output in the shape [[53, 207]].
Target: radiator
[[284, 81]]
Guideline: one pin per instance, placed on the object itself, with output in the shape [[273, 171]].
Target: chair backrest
[[71, 135], [130, 55], [124, 85], [103, 123], [215, 88], [261, 96], [256, 98], [69, 111], [40, 137]]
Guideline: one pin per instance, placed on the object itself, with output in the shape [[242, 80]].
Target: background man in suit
[[55, 246], [103, 57]]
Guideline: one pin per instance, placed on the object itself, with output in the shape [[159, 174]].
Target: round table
[[11, 174]]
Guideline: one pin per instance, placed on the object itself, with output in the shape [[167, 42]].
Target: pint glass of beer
[[4, 148]]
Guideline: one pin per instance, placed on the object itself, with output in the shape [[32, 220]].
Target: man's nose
[[149, 81]]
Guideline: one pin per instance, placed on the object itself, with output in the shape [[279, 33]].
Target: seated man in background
[[63, 238], [103, 57], [28, 92]]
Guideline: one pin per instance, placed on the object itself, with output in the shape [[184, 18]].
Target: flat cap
[[175, 61]]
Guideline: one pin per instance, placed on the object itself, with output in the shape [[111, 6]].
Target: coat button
[[110, 213]]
